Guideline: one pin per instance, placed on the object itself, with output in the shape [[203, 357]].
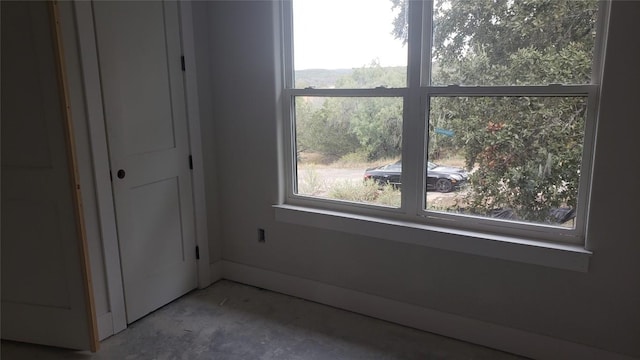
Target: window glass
[[515, 158], [347, 147], [504, 42], [337, 38], [503, 151]]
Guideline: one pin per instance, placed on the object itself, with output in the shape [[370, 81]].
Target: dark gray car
[[440, 178]]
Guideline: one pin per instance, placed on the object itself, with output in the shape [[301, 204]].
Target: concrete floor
[[234, 321]]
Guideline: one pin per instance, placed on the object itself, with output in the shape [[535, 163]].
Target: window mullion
[[413, 125], [382, 92]]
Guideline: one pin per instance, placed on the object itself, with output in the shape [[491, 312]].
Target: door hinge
[[184, 67], [197, 252], [190, 162]]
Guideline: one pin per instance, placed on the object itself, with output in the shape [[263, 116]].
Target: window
[[466, 114]]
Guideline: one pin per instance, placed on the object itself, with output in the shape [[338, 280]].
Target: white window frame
[[412, 213]]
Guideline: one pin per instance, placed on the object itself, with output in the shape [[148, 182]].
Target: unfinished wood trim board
[[74, 176]]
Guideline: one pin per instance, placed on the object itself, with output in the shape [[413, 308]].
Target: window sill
[[560, 256]]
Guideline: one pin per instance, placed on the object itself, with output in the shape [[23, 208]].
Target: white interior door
[[45, 298], [139, 53]]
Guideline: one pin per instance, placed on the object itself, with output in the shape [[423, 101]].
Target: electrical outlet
[[261, 236]]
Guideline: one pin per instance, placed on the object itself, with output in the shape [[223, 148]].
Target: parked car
[[440, 178]]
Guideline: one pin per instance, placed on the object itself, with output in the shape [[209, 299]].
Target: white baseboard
[[105, 326], [215, 271], [499, 337]]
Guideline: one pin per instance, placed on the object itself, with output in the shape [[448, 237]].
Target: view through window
[[507, 101]]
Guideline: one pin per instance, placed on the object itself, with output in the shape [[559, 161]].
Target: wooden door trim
[[74, 176]]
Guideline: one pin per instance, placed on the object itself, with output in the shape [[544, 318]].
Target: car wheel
[[443, 185]]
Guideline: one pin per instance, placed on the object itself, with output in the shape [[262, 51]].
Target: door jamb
[[192, 101]]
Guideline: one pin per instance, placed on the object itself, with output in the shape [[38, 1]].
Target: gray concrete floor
[[234, 321]]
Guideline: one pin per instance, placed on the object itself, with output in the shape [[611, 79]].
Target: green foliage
[[319, 78], [378, 126], [389, 196], [503, 42], [355, 159], [525, 152], [326, 130], [366, 192], [400, 23], [373, 76], [310, 182], [528, 161], [337, 126]]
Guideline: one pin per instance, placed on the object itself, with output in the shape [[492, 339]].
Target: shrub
[[354, 159], [389, 196], [310, 183], [366, 191]]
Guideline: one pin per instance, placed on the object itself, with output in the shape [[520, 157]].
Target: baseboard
[[499, 337], [215, 271], [105, 326]]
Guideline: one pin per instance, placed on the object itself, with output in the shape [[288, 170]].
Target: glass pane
[[348, 44], [504, 42], [346, 148], [512, 158]]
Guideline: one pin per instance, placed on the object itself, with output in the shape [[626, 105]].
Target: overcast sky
[[344, 34]]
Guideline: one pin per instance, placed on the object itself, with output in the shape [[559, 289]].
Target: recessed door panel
[[156, 225]]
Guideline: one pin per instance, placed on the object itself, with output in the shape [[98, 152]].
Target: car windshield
[[398, 166], [395, 166]]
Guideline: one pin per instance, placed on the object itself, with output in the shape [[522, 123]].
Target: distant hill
[[319, 78], [326, 79]]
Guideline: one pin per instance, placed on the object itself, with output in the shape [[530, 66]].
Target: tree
[[377, 124], [526, 151], [324, 130], [504, 42], [337, 126]]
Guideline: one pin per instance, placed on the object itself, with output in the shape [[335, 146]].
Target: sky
[[345, 34]]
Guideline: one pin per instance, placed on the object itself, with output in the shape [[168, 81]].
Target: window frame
[[416, 95]]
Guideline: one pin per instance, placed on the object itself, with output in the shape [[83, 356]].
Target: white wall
[[600, 308]]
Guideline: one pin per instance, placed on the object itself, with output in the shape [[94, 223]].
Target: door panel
[[139, 53], [44, 294], [144, 99]]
